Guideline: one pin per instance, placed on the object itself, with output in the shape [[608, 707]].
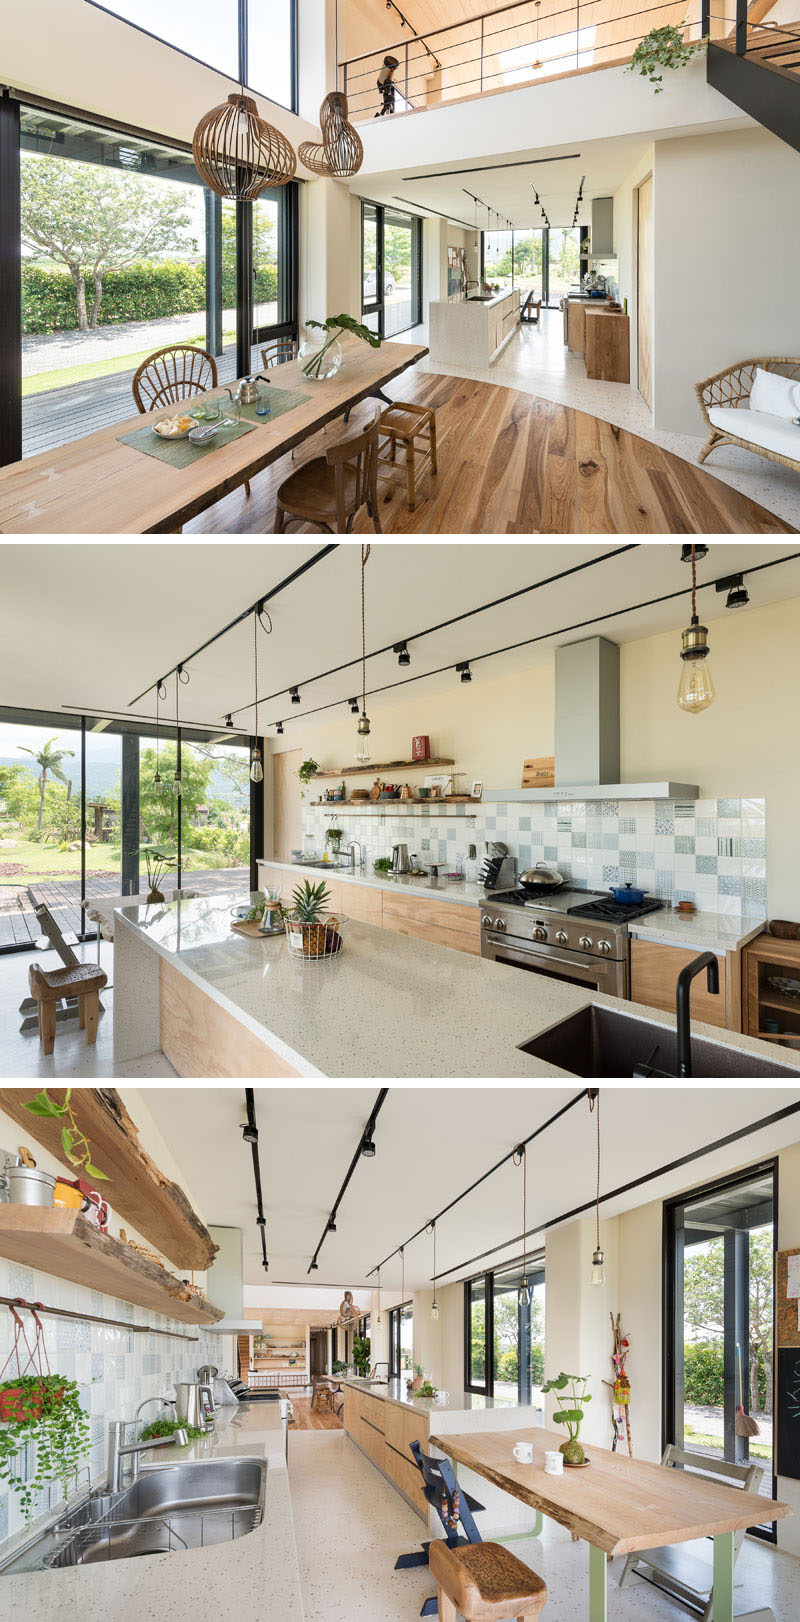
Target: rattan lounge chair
[[724, 401]]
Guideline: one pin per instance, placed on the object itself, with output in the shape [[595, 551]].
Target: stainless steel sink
[[167, 1510], [602, 1043]]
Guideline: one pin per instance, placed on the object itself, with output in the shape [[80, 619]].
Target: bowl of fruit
[[174, 427], [312, 932]]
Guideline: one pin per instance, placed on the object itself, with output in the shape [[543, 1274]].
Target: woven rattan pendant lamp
[[238, 153], [341, 152]]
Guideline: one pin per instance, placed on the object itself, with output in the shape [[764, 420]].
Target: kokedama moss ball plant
[[42, 1410], [572, 1417]]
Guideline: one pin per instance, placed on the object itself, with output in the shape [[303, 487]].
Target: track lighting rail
[[366, 1139], [250, 1135], [521, 1143]]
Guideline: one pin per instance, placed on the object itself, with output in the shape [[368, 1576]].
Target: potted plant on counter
[[321, 357], [311, 931], [361, 1353], [572, 1417], [44, 1410]]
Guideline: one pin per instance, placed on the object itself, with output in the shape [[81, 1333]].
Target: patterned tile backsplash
[[115, 1369], [711, 852]]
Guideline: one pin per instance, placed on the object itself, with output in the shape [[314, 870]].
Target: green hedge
[[704, 1374], [141, 292]]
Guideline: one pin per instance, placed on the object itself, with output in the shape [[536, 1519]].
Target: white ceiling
[[90, 626], [431, 1144]]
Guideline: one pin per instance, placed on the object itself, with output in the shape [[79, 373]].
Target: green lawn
[[693, 1438], [63, 377], [46, 862]]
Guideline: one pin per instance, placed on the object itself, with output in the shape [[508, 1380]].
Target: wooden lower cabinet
[[385, 1431], [654, 975], [444, 922]]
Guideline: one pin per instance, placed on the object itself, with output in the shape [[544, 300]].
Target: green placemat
[[182, 453]]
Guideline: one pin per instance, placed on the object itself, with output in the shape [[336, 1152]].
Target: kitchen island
[[472, 331], [255, 1578], [220, 1004], [383, 1421]]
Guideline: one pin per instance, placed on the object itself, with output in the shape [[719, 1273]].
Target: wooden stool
[[485, 1583], [407, 424], [48, 986]]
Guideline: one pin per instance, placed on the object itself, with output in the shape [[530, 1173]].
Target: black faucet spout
[[709, 962]]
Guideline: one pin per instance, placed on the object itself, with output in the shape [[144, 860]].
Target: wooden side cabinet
[[655, 967], [767, 959]]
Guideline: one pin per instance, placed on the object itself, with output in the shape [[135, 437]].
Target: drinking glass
[[263, 401]]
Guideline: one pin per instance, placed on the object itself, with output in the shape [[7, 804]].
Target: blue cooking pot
[[627, 895]]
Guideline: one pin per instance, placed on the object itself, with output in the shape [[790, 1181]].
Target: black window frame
[[671, 1364], [242, 44], [536, 1273], [131, 733], [395, 1320], [376, 306]]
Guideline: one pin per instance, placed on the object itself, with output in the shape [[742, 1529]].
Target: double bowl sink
[[168, 1510]]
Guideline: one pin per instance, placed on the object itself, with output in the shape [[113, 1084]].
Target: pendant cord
[[694, 584], [594, 1104], [365, 552], [402, 1274], [255, 666]]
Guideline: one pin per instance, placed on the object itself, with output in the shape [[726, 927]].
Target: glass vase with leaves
[[321, 357]]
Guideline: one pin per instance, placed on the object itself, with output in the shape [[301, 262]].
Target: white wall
[[625, 235], [724, 204]]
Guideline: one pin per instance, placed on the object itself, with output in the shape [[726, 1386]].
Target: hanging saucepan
[[627, 895], [541, 879]]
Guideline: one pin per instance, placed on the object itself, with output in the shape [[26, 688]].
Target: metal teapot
[[247, 392]]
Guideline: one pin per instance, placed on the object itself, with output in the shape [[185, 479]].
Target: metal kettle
[[194, 1403], [247, 392], [400, 861]]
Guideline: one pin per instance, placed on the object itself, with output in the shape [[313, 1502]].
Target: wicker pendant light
[[238, 154], [341, 152]]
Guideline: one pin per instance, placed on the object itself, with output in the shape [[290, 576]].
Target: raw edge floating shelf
[[384, 766], [138, 1192], [62, 1243]]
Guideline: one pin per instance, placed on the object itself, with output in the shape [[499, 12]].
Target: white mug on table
[[554, 1464], [523, 1452]]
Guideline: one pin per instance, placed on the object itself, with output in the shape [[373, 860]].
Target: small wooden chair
[[404, 424], [49, 986], [176, 372], [278, 352], [483, 1582], [328, 491]]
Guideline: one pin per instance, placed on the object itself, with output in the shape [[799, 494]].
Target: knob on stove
[[586, 942], [562, 938], [500, 924], [604, 947], [486, 921], [539, 932]]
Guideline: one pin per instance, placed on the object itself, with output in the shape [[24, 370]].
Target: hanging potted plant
[[40, 1408], [572, 1417], [663, 48], [334, 837], [305, 771]]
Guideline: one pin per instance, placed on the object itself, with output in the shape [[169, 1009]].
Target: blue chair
[[453, 1507]]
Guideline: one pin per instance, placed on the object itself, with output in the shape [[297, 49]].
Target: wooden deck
[[19, 928]]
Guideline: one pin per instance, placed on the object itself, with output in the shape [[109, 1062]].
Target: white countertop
[[254, 1579], [476, 303], [458, 1402], [705, 931], [387, 1005], [469, 895]]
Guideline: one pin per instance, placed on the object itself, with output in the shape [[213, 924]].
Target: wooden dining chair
[[176, 372], [278, 352], [328, 491]]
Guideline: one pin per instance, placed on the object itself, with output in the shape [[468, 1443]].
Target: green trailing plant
[[334, 837], [74, 1142], [42, 1411], [663, 48], [361, 1354], [168, 1427], [334, 326], [305, 772], [578, 1394]]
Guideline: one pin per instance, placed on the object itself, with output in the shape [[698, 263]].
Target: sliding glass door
[[504, 1334], [720, 1249], [391, 269], [401, 1340]]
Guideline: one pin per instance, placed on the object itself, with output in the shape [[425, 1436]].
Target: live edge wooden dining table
[[619, 1505], [98, 485]]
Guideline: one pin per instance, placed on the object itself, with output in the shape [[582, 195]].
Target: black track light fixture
[[464, 671], [699, 549], [249, 1132], [294, 694], [261, 1222], [279, 728], [738, 595], [331, 1225], [353, 702], [314, 1268], [229, 720], [403, 655], [368, 1144]]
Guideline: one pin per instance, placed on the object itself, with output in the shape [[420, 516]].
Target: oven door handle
[[596, 973]]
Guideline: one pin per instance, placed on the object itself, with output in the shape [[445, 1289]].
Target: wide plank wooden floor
[[513, 464], [306, 1420]]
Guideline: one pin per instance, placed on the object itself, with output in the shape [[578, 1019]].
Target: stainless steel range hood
[[587, 734]]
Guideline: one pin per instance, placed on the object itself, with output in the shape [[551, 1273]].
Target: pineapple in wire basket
[[306, 922]]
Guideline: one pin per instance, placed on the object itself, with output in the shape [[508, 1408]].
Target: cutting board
[[252, 929]]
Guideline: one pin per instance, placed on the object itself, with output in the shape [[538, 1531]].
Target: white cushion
[[760, 428], [776, 394]]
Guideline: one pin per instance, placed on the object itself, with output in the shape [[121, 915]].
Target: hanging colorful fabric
[[622, 1390]]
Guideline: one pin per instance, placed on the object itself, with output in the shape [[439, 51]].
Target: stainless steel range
[[576, 935]]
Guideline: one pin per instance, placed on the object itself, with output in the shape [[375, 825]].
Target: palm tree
[[49, 760]]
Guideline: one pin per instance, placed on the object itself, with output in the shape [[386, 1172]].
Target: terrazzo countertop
[[387, 1005], [255, 1579], [458, 1402], [468, 895], [707, 931]]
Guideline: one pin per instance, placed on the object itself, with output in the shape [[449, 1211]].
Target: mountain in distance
[[102, 779]]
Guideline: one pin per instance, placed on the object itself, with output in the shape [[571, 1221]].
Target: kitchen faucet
[[119, 1450], [706, 961], [166, 1402], [351, 852]]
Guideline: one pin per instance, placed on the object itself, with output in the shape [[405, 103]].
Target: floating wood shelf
[[61, 1242], [374, 767], [137, 1190], [345, 806]]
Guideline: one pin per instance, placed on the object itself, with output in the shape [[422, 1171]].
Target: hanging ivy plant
[[43, 1410], [74, 1142], [662, 48]]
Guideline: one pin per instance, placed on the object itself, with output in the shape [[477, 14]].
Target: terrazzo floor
[[536, 361], [21, 1053], [350, 1526]]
